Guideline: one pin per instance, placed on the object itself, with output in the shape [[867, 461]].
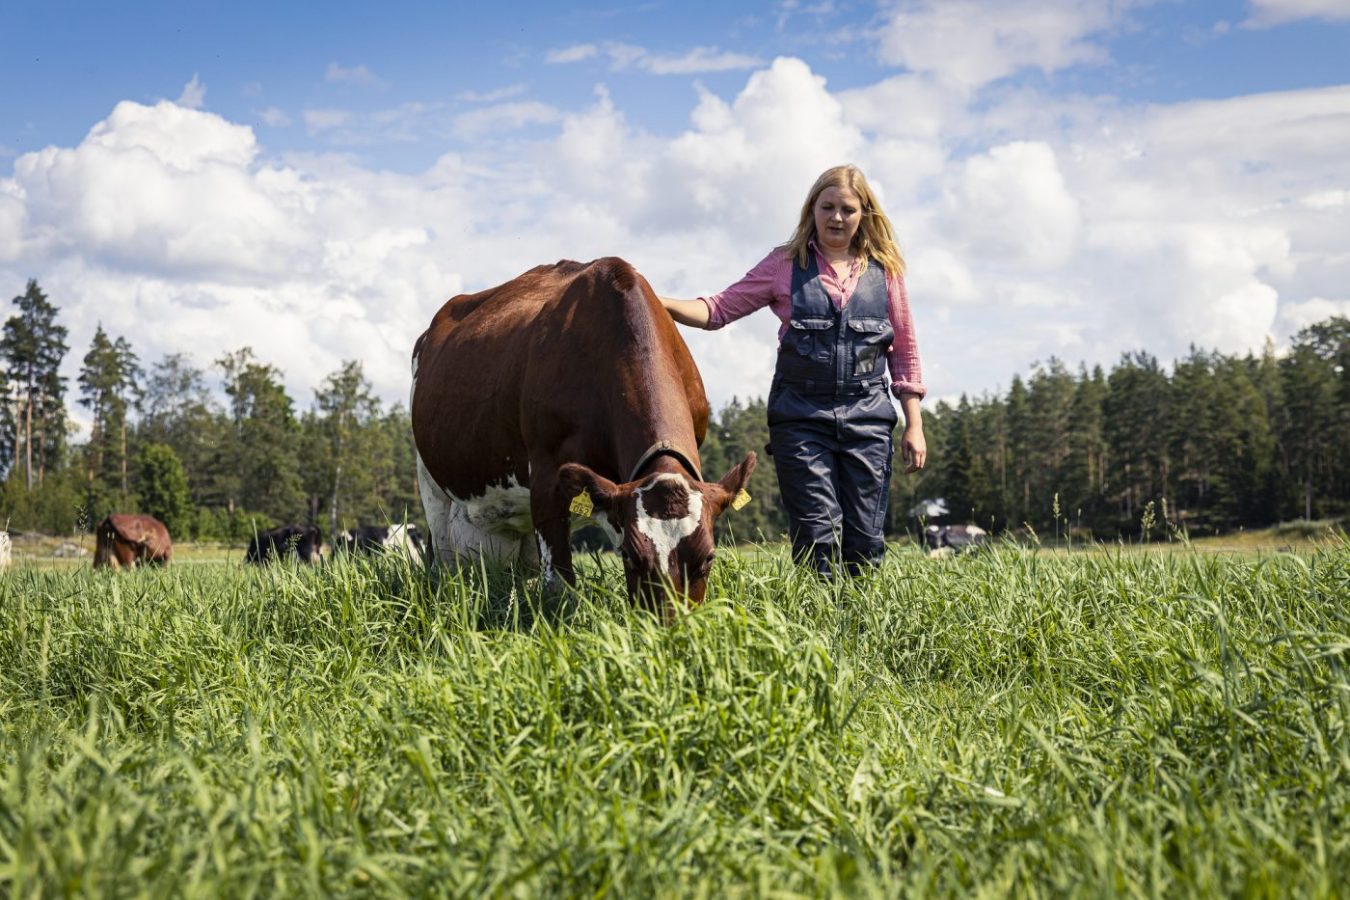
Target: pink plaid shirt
[[770, 284]]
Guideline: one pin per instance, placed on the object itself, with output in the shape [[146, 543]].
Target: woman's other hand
[[913, 448]]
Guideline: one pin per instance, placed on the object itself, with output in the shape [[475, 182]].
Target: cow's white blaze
[[666, 534]]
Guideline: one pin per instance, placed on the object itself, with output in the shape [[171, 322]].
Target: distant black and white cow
[[948, 539], [300, 542], [384, 538]]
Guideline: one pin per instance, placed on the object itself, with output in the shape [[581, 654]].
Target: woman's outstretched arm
[[687, 312]]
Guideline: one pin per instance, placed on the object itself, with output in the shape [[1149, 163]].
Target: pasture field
[[1022, 722]]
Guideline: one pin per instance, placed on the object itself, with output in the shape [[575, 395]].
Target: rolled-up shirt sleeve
[[755, 291], [903, 357]]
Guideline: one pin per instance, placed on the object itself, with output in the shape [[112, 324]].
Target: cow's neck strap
[[664, 448]]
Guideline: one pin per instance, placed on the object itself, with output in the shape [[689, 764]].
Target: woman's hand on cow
[[913, 448], [687, 312]]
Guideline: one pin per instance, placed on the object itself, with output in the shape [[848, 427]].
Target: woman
[[838, 287]]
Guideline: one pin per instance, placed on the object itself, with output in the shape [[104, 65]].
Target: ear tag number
[[742, 497], [581, 505]]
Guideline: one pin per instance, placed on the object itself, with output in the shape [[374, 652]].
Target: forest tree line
[[1216, 443], [161, 443]]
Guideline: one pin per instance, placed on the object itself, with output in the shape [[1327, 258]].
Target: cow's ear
[[734, 482], [575, 479]]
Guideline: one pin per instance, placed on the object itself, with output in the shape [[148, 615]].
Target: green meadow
[[1015, 722]]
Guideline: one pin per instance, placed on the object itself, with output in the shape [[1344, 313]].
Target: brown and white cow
[[122, 541], [567, 380]]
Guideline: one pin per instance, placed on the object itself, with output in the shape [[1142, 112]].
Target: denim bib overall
[[831, 420]]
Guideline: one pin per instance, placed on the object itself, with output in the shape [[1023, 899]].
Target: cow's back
[[533, 361], [148, 535]]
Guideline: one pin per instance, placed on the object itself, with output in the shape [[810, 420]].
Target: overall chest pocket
[[870, 338], [812, 338]]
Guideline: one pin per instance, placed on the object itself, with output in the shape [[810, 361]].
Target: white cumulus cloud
[[973, 42], [1032, 226], [1012, 203]]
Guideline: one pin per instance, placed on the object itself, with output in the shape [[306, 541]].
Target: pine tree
[[1313, 437], [32, 347], [1135, 421], [964, 471], [1192, 432], [1243, 446], [108, 389], [1084, 468], [1050, 394], [1021, 448]]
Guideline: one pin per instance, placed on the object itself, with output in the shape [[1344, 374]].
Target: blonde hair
[[875, 237]]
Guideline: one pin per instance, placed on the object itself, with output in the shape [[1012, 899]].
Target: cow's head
[[664, 525]]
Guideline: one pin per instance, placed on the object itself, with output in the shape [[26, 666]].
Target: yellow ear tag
[[581, 504], [742, 497]]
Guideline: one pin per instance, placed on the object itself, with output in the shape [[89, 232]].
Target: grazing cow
[[4, 550], [567, 389], [384, 538], [953, 538], [300, 542], [122, 541]]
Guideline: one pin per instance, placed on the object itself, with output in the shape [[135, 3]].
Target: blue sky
[[1071, 178], [75, 61]]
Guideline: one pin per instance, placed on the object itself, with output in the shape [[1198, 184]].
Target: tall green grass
[[1011, 722]]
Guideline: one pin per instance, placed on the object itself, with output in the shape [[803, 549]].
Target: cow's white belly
[[495, 527]]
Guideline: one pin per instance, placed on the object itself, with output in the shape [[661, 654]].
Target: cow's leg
[[552, 526], [438, 507]]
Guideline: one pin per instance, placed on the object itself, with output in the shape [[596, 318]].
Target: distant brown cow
[[125, 540]]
